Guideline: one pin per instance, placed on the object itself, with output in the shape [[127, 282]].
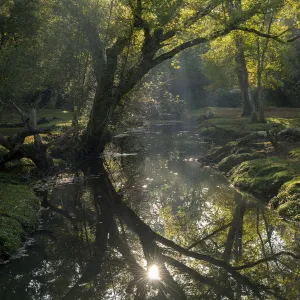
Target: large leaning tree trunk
[[116, 76]]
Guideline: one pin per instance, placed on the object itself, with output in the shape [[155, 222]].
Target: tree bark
[[242, 73]]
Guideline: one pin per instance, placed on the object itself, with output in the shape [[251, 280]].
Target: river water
[[157, 176]]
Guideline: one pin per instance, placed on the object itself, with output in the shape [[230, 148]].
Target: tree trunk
[[261, 106], [94, 137], [53, 100], [236, 231], [243, 78]]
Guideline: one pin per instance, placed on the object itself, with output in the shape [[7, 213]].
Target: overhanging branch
[[266, 35], [266, 259]]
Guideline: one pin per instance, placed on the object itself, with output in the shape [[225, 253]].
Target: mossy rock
[[290, 209], [221, 132], [3, 151], [288, 199], [216, 154], [290, 191], [11, 235], [235, 159], [59, 163], [19, 208], [243, 150], [229, 128], [265, 175], [295, 153]]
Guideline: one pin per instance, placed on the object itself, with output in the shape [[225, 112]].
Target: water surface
[[157, 176]]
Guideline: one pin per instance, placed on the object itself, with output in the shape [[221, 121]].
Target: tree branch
[[188, 44], [266, 35], [209, 236], [198, 277], [266, 259], [61, 138], [202, 13], [143, 230]]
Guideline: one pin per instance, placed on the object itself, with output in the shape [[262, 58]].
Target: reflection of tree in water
[[231, 232], [224, 248], [123, 243]]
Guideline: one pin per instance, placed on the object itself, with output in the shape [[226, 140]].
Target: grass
[[228, 123], [222, 128], [225, 112], [64, 119]]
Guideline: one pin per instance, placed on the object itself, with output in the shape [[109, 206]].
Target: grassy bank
[[57, 118], [259, 166], [19, 206]]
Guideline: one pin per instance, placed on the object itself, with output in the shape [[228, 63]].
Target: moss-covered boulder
[[216, 133], [231, 128], [19, 208], [264, 176], [288, 199], [290, 209], [233, 160]]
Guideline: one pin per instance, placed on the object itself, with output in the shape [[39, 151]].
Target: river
[[157, 176]]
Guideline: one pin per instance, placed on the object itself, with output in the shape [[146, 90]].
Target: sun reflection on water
[[153, 273]]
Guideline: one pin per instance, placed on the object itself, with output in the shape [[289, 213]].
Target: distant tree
[[253, 60]]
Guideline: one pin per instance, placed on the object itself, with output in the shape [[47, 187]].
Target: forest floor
[[19, 206], [265, 166]]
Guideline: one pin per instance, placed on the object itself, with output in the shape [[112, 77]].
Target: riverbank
[[19, 208], [258, 158], [19, 205]]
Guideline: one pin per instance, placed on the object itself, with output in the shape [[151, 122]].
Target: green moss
[[3, 150], [243, 150], [18, 214], [235, 159], [231, 127], [217, 111], [286, 122], [288, 199], [264, 176], [59, 163], [295, 153], [11, 235], [220, 132], [290, 209], [12, 178]]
